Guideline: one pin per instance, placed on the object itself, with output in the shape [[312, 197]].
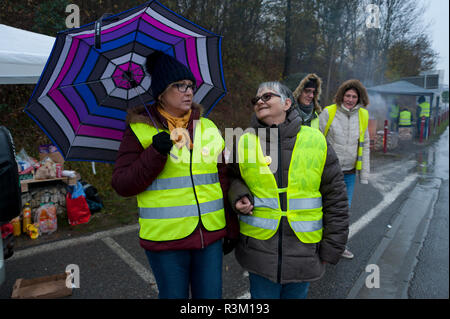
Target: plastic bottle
[[16, 226], [43, 220], [26, 217]]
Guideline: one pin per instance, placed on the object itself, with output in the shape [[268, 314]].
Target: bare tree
[[287, 41]]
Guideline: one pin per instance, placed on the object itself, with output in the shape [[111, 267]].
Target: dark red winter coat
[[135, 169]]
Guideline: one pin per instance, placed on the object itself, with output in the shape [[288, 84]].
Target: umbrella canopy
[[82, 97]]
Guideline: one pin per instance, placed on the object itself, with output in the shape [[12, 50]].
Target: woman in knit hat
[[171, 158], [307, 95]]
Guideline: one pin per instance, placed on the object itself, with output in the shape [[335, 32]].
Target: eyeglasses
[[183, 87], [265, 97]]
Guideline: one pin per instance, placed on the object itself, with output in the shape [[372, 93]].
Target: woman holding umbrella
[[171, 158]]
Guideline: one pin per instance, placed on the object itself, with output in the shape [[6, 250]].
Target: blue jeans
[[175, 270], [425, 129], [262, 288], [349, 180]]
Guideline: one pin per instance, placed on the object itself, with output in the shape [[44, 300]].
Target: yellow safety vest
[[394, 111], [405, 118], [315, 122], [424, 109], [363, 116], [187, 190], [304, 201]]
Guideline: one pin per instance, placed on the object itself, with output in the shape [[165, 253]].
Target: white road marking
[[393, 190], [388, 199], [380, 181], [141, 270], [72, 242], [245, 296]]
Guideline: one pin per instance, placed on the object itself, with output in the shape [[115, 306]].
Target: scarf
[[306, 113], [178, 128]]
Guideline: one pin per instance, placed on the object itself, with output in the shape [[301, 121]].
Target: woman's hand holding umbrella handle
[[162, 142], [244, 206]]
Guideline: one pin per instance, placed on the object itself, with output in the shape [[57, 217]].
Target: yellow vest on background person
[[424, 109], [405, 118], [363, 116], [187, 190], [304, 201], [394, 112]]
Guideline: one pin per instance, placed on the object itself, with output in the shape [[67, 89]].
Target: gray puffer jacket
[[283, 258]]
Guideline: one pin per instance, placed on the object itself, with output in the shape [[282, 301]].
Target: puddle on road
[[425, 161], [434, 160]]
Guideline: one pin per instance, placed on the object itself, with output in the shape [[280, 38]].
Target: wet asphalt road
[[430, 277], [113, 265]]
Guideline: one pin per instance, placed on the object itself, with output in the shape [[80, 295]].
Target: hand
[[244, 206], [162, 143]]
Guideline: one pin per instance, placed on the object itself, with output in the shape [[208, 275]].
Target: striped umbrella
[[96, 72]]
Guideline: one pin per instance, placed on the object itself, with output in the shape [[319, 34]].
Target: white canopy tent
[[23, 55]]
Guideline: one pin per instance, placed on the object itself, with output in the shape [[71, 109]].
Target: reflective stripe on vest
[[171, 207], [405, 118], [266, 202], [272, 224], [424, 109], [183, 181], [180, 211], [363, 116], [304, 201]]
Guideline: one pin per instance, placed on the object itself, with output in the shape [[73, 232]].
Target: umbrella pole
[[151, 118], [148, 112]]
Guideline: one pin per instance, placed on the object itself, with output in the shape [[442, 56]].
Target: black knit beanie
[[312, 83], [165, 70]]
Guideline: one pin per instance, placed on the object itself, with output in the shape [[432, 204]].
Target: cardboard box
[[55, 157], [53, 286]]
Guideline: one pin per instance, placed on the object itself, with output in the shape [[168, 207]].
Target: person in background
[[405, 118], [292, 205], [345, 125], [307, 95], [393, 115], [180, 181], [424, 108], [404, 124]]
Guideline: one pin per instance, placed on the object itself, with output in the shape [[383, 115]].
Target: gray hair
[[279, 88]]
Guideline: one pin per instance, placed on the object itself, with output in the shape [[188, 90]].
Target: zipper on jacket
[[280, 228], [198, 204]]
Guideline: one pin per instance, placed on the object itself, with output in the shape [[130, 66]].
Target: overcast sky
[[438, 13]]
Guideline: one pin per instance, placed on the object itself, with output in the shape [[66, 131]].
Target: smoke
[[379, 107]]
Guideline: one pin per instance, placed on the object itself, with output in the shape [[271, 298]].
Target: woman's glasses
[[183, 87], [265, 97]]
